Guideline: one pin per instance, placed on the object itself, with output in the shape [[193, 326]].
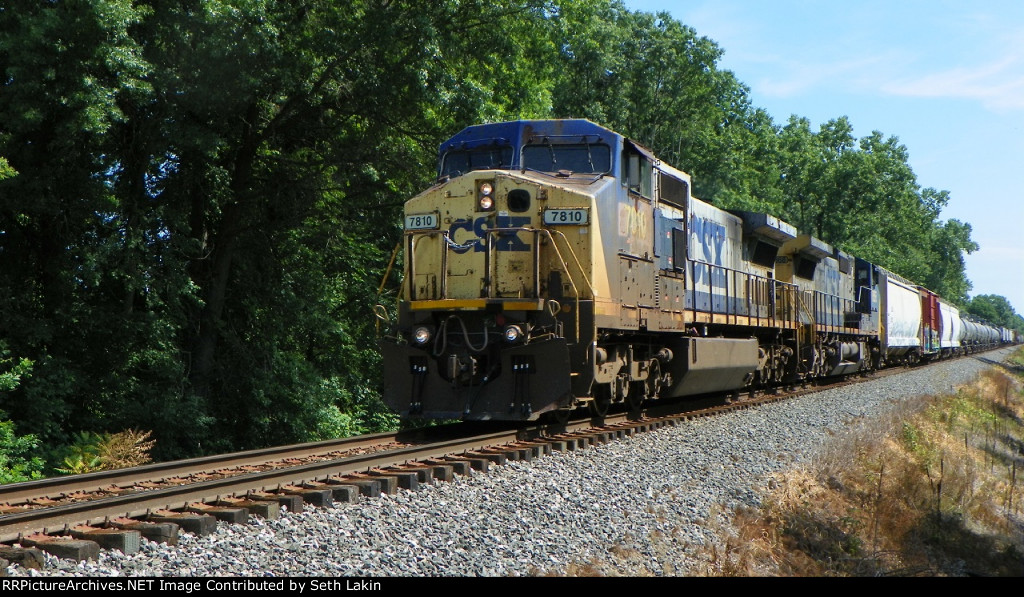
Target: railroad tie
[[291, 501], [314, 496], [228, 514], [63, 547], [342, 492], [441, 470], [404, 479], [386, 485], [424, 473], [266, 509], [157, 532], [457, 466], [200, 525], [123, 540], [465, 460], [498, 457], [367, 487]]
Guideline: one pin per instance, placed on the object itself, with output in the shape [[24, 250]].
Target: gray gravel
[[650, 505]]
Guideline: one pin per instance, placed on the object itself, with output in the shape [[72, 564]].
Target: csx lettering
[[709, 236], [832, 281], [479, 228]]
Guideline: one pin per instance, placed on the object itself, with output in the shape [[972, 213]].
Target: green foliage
[[948, 272], [12, 370], [910, 436], [17, 460], [83, 455], [863, 197], [207, 192], [5, 169], [967, 410], [996, 310]]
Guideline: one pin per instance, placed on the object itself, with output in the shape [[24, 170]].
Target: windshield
[[459, 162], [585, 158]]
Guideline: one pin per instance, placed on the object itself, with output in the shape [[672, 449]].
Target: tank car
[[976, 335]]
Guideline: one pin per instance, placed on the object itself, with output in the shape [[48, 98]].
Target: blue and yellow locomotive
[[557, 264]]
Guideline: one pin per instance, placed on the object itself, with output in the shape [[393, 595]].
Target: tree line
[[199, 198]]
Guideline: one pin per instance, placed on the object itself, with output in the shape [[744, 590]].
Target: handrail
[[489, 254], [772, 288], [561, 260]]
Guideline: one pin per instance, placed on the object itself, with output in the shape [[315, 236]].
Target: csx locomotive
[[557, 264]]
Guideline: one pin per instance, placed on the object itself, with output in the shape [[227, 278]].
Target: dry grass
[[935, 490], [125, 449]]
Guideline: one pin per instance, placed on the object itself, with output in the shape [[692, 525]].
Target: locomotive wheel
[[559, 417], [602, 400], [636, 395]]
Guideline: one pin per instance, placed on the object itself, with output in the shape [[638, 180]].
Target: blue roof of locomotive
[[516, 133]]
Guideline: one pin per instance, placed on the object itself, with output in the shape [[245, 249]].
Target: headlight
[[486, 196], [513, 334], [421, 335]]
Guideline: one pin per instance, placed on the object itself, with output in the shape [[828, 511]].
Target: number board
[[421, 221], [574, 216]]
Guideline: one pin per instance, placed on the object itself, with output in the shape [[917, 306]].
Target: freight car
[[556, 264]]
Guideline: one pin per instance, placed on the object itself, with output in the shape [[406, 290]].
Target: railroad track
[[76, 516]]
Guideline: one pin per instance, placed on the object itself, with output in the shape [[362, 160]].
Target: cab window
[[638, 173], [581, 158]]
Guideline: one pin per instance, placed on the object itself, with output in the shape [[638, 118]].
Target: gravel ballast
[[647, 505]]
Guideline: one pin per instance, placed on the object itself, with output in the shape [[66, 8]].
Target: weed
[[97, 452]]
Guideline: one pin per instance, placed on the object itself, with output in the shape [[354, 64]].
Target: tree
[[948, 275], [994, 309], [654, 79], [18, 459], [66, 66], [209, 193]]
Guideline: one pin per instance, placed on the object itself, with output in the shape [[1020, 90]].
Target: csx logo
[[708, 238], [479, 227]]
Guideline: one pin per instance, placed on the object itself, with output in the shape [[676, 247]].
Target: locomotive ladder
[[490, 256], [446, 243]]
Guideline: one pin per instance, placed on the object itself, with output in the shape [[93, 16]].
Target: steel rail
[[59, 518], [16, 493]]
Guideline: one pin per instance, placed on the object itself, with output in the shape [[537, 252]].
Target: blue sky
[[945, 77]]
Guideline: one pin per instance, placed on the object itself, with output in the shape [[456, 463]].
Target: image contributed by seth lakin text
[[293, 586]]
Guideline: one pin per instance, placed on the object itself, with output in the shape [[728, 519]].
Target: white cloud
[[999, 85], [791, 78]]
